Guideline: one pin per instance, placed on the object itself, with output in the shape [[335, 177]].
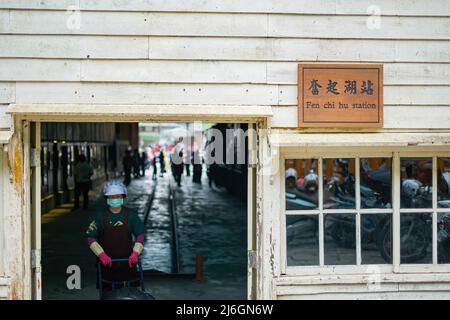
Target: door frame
[[32, 187]]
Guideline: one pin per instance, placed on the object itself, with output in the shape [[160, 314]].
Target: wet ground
[[210, 221]]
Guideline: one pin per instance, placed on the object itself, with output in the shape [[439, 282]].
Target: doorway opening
[[187, 182]]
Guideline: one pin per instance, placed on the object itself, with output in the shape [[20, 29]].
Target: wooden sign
[[340, 95]]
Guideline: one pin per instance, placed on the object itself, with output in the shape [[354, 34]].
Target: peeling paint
[[17, 166], [15, 291]]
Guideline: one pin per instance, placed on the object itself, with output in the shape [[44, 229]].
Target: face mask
[[115, 203]]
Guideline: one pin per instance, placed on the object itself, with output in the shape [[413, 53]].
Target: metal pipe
[[199, 267]]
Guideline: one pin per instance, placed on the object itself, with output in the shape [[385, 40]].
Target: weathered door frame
[[259, 282], [35, 192]]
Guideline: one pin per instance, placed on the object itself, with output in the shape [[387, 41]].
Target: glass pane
[[302, 238], [443, 237], [302, 184], [443, 167], [416, 182], [376, 183], [376, 238], [340, 239], [416, 237], [339, 183]]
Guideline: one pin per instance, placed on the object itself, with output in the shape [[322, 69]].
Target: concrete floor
[[210, 221]]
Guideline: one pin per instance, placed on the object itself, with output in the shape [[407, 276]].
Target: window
[[341, 211], [338, 211]]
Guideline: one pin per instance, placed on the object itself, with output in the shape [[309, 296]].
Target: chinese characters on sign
[[340, 95]]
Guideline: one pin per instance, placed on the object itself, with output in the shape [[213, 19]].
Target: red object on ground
[[199, 267]]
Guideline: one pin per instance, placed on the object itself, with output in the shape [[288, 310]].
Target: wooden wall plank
[[358, 27], [204, 71], [62, 22], [173, 71], [388, 7], [138, 23], [5, 122], [227, 25], [358, 7], [49, 46], [4, 21], [204, 24], [116, 93], [260, 6], [39, 4], [39, 70], [285, 117], [306, 50], [7, 92], [417, 117]]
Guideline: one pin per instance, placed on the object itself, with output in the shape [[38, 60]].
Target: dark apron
[[117, 244]]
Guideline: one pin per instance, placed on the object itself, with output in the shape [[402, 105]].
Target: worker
[[155, 169], [162, 163], [143, 163], [136, 163], [127, 166], [82, 175], [109, 236]]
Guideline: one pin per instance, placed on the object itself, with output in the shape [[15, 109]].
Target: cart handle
[[140, 270], [120, 260]]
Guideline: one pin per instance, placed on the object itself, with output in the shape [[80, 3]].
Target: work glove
[[133, 259], [105, 260]]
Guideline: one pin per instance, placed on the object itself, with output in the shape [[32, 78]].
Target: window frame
[[357, 154]]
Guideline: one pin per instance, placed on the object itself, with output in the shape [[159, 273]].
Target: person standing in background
[[127, 163], [136, 163], [162, 162], [82, 174], [143, 163]]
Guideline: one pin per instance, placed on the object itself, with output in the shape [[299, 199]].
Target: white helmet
[[410, 187], [291, 172], [311, 177], [115, 187], [311, 180]]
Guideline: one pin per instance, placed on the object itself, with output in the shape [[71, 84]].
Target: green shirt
[[83, 172], [96, 227]]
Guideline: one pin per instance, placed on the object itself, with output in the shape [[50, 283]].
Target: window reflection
[[416, 182], [302, 184], [443, 237], [339, 183], [375, 186], [443, 168], [302, 239], [416, 238], [376, 238], [340, 239]]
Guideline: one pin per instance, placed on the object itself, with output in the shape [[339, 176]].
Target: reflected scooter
[[375, 228]]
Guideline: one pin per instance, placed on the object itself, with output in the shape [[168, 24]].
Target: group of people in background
[[134, 164], [181, 159]]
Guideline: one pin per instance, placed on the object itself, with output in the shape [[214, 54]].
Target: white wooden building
[[230, 61]]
